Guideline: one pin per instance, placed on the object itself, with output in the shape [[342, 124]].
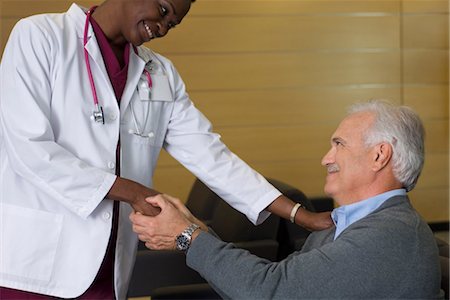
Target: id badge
[[160, 90]]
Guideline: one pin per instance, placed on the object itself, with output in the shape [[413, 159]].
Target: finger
[[157, 201], [141, 220], [175, 201]]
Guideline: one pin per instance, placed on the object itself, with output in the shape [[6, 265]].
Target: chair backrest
[[291, 237], [232, 226], [202, 201]]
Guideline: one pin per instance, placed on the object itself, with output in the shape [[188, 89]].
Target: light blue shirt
[[346, 215]]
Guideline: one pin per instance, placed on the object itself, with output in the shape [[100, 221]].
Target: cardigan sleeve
[[365, 261]]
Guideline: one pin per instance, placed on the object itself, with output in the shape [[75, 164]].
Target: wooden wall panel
[[431, 203], [419, 97], [268, 70], [275, 78], [425, 31], [276, 33], [295, 105], [289, 7], [425, 66]]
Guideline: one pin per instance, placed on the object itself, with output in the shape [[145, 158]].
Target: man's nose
[[328, 158]]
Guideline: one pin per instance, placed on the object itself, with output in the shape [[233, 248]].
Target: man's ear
[[382, 156]]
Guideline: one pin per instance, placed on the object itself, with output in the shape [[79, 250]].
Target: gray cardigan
[[391, 253]]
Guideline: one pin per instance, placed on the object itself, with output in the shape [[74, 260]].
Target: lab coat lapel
[[135, 68], [97, 63]]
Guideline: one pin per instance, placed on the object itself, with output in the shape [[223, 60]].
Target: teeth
[[149, 31]]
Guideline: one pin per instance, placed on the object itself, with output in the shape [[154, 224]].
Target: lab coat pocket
[[147, 120], [29, 242]]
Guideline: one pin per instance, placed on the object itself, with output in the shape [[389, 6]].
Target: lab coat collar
[[136, 63], [78, 15]]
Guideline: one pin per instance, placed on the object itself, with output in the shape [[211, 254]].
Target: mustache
[[332, 168]]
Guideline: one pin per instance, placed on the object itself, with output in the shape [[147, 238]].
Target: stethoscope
[[98, 115]]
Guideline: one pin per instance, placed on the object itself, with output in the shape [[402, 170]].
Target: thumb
[[157, 201], [174, 201]]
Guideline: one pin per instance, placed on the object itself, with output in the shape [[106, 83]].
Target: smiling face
[[349, 161], [139, 21]]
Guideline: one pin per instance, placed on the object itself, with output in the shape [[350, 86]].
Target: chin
[[328, 191]]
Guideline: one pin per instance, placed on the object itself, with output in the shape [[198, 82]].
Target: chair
[[444, 261], [161, 274]]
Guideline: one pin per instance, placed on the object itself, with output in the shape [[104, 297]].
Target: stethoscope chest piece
[[98, 115]]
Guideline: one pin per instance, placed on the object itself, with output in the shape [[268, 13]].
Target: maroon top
[[103, 286]]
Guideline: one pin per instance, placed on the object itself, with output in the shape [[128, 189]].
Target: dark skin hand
[[312, 221], [134, 194]]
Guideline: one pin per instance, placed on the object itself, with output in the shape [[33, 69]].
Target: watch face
[[183, 242]]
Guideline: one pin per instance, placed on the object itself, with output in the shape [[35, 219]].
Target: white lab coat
[[57, 165]]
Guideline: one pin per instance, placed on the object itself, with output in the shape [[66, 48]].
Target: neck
[[102, 16]]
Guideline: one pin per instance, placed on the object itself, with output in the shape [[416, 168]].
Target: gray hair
[[402, 128]]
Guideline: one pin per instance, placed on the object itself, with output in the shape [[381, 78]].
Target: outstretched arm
[[283, 206]]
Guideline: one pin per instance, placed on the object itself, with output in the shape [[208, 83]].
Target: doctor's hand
[[282, 206], [313, 221], [134, 194], [159, 232]]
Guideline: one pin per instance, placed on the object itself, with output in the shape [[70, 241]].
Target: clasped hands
[[158, 232]]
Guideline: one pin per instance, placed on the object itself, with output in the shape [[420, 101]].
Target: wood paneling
[[269, 70], [425, 31], [425, 6], [276, 33], [431, 203], [419, 98], [425, 66], [289, 7], [283, 106]]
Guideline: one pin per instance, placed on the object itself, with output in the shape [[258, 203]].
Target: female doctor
[[84, 112]]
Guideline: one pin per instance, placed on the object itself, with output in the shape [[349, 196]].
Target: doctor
[[84, 113]]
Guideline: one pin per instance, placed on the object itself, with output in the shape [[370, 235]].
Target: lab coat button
[[111, 165], [112, 117], [106, 215]]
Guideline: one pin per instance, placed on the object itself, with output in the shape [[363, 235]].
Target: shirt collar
[[346, 215]]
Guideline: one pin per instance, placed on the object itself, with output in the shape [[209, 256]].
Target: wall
[[275, 77]]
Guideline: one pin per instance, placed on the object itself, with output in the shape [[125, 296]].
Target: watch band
[[183, 240], [190, 230]]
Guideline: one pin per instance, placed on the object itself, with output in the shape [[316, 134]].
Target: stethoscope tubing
[[86, 60], [98, 115]]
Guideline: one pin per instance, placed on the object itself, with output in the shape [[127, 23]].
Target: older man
[[379, 247]]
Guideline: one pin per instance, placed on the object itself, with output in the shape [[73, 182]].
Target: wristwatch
[[183, 240]]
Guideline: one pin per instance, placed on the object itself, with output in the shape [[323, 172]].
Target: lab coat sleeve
[[27, 71], [192, 142]]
